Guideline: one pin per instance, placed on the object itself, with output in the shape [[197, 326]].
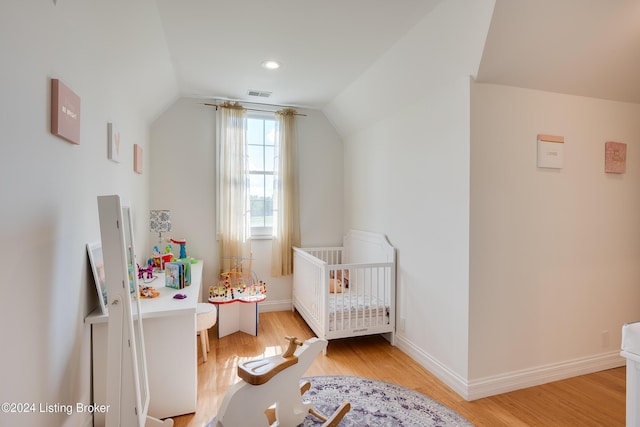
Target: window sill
[[264, 237]]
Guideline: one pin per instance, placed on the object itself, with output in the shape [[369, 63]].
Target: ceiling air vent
[[259, 93]]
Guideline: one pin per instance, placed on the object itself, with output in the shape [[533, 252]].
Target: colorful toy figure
[[159, 259], [183, 244], [148, 269], [149, 292]]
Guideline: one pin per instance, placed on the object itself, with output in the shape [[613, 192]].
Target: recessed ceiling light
[[271, 65]]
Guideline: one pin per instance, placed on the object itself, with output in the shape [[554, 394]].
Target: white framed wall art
[[550, 151]]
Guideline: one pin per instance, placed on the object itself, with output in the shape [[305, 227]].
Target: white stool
[[206, 315]]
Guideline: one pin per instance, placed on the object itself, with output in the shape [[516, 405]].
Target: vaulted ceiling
[[581, 47], [217, 46]]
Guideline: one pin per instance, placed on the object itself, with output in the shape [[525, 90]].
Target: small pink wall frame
[[615, 157], [65, 112], [137, 158]]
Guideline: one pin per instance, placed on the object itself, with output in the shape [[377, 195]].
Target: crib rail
[[366, 301], [330, 255]]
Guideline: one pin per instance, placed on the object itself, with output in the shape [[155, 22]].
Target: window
[[257, 189], [261, 144]]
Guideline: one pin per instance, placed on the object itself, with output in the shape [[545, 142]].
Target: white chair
[[206, 315]]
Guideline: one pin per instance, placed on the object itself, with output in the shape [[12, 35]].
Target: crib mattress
[[350, 310], [352, 302]]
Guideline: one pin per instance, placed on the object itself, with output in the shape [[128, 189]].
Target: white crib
[[365, 267]]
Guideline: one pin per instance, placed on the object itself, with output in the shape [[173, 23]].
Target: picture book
[[172, 275]]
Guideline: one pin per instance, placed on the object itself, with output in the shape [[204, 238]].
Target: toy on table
[[238, 284], [159, 259], [271, 387], [183, 250], [149, 292], [148, 270], [183, 244]]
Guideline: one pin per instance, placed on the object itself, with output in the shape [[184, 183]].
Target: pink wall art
[[65, 112], [137, 158], [615, 157]]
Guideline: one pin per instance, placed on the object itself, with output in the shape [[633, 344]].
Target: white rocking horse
[[270, 394]]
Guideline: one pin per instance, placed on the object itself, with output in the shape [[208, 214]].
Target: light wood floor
[[591, 400]]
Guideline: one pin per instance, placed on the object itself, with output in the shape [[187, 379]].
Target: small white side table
[[238, 315]]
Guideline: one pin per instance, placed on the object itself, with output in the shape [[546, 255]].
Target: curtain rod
[[252, 109]]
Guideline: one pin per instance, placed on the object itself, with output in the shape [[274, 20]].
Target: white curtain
[[286, 224], [235, 220]]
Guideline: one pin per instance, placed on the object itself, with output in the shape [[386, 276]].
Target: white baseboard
[[538, 375], [278, 305], [450, 378], [510, 381]]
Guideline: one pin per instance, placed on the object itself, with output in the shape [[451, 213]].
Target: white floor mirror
[[127, 383]]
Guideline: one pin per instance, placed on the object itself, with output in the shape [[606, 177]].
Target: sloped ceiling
[[217, 46], [579, 47]]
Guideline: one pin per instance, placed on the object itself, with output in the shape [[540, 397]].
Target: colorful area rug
[[376, 403]]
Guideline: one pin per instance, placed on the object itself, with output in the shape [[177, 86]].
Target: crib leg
[[391, 337]]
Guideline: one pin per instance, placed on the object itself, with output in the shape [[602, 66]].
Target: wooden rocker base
[[332, 421]]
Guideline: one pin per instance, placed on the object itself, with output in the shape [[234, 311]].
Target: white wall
[[554, 253], [183, 180], [407, 175], [113, 56], [508, 275], [182, 153]]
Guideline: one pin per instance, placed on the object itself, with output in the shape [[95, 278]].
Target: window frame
[[257, 233], [264, 231]]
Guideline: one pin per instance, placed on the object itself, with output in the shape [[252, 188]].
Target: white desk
[[169, 327]]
